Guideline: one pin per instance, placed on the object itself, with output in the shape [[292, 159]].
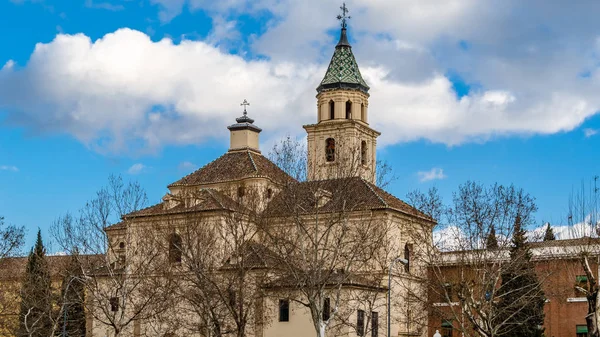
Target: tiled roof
[[345, 194], [234, 166], [540, 250], [328, 278], [255, 254], [118, 225], [13, 268], [208, 200], [583, 241], [343, 70]]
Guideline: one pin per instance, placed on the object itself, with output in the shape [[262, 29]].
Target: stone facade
[[340, 187], [155, 247]]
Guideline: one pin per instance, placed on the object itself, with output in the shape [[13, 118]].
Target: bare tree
[[385, 174], [11, 242], [466, 281], [119, 263], [11, 239], [219, 263], [584, 222], [289, 154], [321, 251], [329, 244]]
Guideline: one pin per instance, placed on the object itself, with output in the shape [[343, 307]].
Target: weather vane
[[245, 104], [342, 17]]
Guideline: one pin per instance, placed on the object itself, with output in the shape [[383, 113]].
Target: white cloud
[[452, 237], [136, 168], [126, 93], [104, 5], [187, 166], [9, 168], [590, 132], [565, 232], [169, 8], [8, 65], [433, 174]]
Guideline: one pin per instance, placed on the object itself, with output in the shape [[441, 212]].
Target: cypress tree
[[549, 235], [491, 242], [36, 295], [521, 296], [72, 300]]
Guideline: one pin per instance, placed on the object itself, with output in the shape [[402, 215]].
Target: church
[[245, 247], [304, 242]]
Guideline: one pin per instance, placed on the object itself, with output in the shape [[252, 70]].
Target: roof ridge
[[137, 211], [253, 163], [210, 191], [201, 168], [374, 192], [420, 213]]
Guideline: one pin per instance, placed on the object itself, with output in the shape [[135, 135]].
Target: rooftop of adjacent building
[[540, 251]]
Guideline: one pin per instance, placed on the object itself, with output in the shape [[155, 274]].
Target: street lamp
[[389, 301]]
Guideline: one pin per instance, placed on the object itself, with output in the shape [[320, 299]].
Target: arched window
[[330, 149], [122, 245], [175, 247], [348, 110], [331, 109], [407, 255], [231, 296], [363, 116], [363, 152], [241, 191], [121, 260], [114, 304]]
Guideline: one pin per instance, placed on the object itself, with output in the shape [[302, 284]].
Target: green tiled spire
[[343, 71]]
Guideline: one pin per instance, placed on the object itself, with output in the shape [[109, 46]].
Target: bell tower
[[341, 144]]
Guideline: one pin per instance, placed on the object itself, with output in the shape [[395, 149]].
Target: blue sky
[[492, 91]]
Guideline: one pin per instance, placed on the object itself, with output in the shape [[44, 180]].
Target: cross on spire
[[245, 104], [342, 17]]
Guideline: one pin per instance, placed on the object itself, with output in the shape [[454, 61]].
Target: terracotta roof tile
[[328, 278], [583, 241], [255, 254], [209, 200], [117, 226], [349, 194], [234, 166], [13, 268]]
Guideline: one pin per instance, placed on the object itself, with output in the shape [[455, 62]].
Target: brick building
[[559, 270]]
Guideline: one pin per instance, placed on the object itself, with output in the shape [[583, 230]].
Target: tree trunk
[[322, 329], [592, 316], [241, 331]]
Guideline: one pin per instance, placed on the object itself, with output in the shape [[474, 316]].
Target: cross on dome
[[245, 121], [245, 104], [342, 17]]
